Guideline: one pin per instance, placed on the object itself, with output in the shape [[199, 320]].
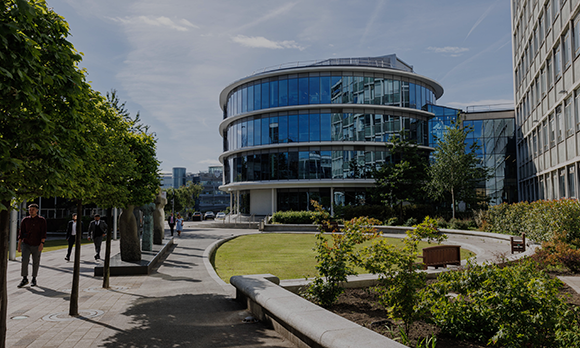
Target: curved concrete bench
[[301, 321]]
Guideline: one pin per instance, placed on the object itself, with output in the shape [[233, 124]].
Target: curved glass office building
[[315, 131]]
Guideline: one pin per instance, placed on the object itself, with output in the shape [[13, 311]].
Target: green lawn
[[287, 256]]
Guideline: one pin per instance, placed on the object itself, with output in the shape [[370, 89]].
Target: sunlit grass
[[285, 255]]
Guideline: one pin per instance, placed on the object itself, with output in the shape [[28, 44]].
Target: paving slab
[[178, 305]]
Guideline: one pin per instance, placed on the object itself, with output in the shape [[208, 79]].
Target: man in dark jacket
[[71, 234], [97, 230], [31, 238], [171, 222]]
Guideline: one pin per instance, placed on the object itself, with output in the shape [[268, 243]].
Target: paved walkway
[[179, 305]]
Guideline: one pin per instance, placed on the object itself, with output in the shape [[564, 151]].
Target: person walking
[[97, 230], [31, 240], [171, 222], [179, 226], [71, 234]]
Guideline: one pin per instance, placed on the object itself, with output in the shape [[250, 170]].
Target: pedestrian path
[[179, 305]]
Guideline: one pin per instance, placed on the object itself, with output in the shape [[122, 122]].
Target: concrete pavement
[[178, 305]]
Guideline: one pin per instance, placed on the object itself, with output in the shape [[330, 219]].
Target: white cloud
[[453, 51], [262, 42], [179, 25]]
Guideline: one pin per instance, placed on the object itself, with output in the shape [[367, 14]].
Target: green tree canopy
[[456, 171], [184, 197], [403, 178]]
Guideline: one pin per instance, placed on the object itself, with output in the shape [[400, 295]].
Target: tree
[[403, 178], [456, 171], [40, 89], [185, 196]]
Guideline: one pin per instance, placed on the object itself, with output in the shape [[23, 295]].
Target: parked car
[[209, 215], [197, 216], [220, 216]]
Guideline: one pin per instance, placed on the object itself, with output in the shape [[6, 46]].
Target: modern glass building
[[316, 131], [494, 132], [546, 48]]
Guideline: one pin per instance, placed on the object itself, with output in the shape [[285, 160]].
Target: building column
[[238, 202]]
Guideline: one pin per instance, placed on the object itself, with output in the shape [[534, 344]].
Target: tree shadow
[[204, 320]]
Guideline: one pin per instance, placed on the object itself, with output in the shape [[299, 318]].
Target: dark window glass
[[283, 166], [257, 96], [303, 165], [314, 127], [325, 90], [265, 166], [303, 128], [250, 98], [314, 165], [336, 89], [325, 127], [257, 132], [273, 166], [292, 91], [293, 128], [265, 131], [250, 125], [273, 94], [326, 165], [274, 130], [292, 165], [314, 90], [303, 90], [405, 93], [250, 168], [283, 129], [418, 96], [238, 136], [396, 92], [258, 167], [283, 92], [336, 127], [265, 95]]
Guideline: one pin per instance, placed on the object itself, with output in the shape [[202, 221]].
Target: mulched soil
[[361, 307]]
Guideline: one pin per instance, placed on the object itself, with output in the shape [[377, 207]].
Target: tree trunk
[[4, 232], [453, 202], [107, 264], [74, 294], [130, 248]]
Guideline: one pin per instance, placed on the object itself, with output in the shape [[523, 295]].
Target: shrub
[[396, 268], [557, 253], [394, 221], [410, 222], [296, 217], [457, 224], [540, 220], [336, 258], [514, 306], [441, 223]]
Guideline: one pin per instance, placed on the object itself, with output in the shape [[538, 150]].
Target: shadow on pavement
[[192, 321]]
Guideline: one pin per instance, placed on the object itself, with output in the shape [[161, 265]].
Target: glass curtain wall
[[313, 88]]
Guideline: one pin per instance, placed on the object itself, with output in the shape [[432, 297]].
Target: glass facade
[[316, 88], [497, 149], [323, 162], [315, 126]]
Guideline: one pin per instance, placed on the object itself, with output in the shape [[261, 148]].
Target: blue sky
[[170, 59]]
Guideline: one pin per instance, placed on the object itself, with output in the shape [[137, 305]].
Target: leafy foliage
[[183, 197], [542, 221], [399, 279], [299, 217], [515, 306], [336, 258], [403, 178], [456, 170]]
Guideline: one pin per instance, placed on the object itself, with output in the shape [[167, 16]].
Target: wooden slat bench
[[518, 243], [441, 255]]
